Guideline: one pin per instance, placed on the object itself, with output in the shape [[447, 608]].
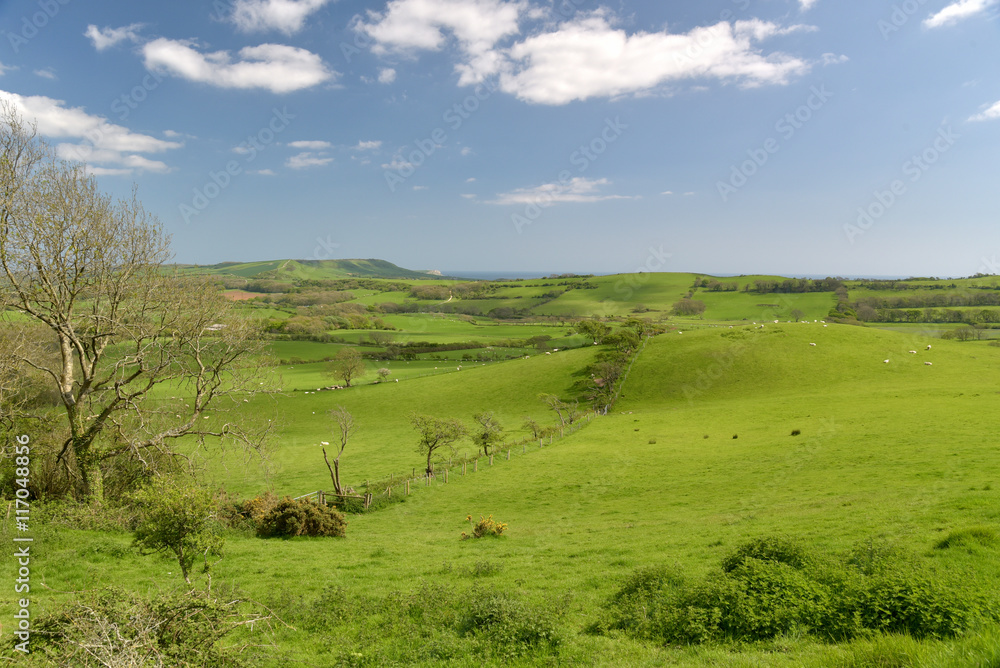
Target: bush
[[114, 627], [178, 521], [290, 518], [486, 526], [773, 586], [778, 549]]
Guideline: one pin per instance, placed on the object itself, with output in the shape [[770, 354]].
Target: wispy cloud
[[106, 147], [46, 73], [287, 16], [306, 160], [990, 114], [386, 75], [314, 145], [958, 11], [368, 145], [577, 190], [274, 67], [105, 38]]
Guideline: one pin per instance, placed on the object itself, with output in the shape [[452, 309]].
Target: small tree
[[344, 422], [381, 338], [177, 520], [435, 433], [347, 365], [533, 426], [383, 374], [797, 314], [489, 432], [560, 407]]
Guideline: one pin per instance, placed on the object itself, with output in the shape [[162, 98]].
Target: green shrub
[[290, 518], [773, 586], [778, 549]]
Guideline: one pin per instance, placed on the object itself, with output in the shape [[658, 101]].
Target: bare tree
[[435, 433], [345, 429], [90, 271], [347, 365], [381, 338], [560, 407]]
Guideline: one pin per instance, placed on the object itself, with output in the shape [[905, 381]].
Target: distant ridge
[[311, 269]]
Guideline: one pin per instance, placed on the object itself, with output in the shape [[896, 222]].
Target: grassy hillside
[[901, 451], [311, 269]]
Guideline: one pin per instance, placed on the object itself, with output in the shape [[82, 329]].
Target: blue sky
[[795, 137]]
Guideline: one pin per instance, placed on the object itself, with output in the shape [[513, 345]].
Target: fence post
[[322, 498], [388, 492], [446, 476], [407, 487], [491, 459], [508, 454], [463, 467], [475, 464]]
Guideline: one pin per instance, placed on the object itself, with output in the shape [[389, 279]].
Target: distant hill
[[311, 269]]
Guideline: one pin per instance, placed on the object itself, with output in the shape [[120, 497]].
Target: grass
[[901, 451]]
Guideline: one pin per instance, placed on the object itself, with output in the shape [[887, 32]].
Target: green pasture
[[697, 457]]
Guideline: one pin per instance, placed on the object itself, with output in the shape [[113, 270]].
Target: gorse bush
[[486, 526], [772, 586], [290, 518]]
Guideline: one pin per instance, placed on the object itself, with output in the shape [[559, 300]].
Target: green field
[[696, 458]]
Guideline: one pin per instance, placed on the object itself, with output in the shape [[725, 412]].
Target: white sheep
[[885, 361], [928, 346], [812, 344], [913, 352], [929, 363]]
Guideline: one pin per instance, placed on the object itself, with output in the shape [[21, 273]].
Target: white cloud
[[990, 114], [100, 143], [420, 187], [264, 172], [834, 59], [579, 190], [957, 11], [288, 16], [806, 4], [667, 192], [467, 196], [588, 58], [310, 145], [471, 179], [306, 159], [274, 67], [368, 145], [466, 151], [386, 75], [477, 25], [46, 73], [398, 165], [105, 38]]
